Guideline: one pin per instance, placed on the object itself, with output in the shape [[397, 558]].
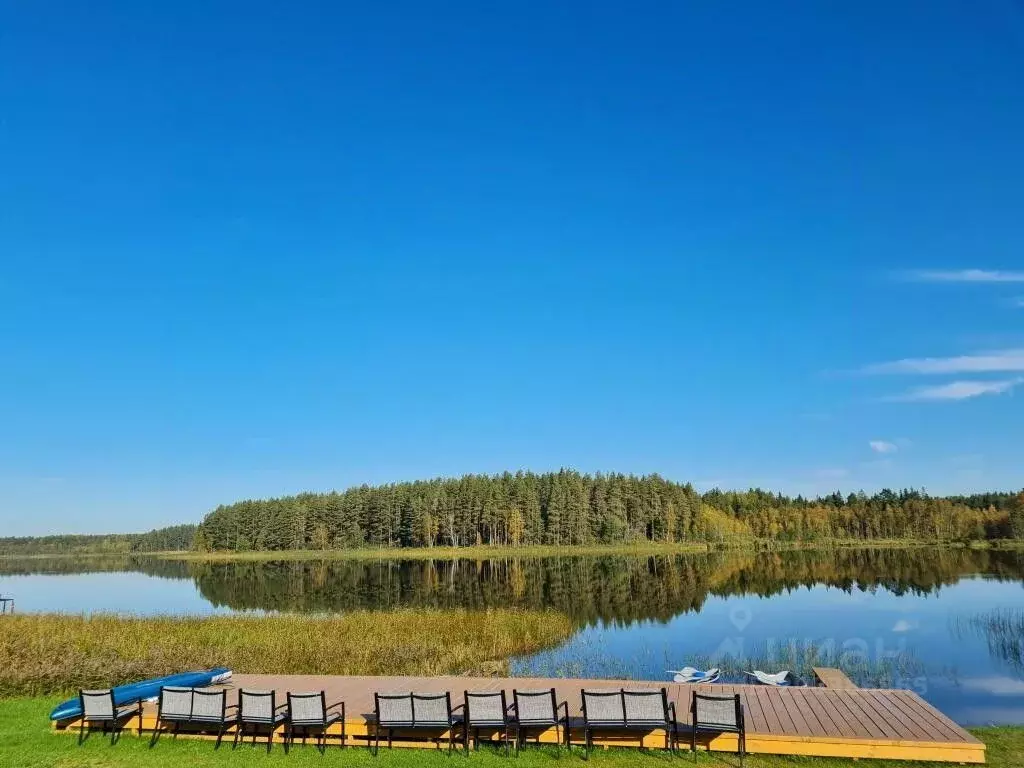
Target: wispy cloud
[[984, 362], [966, 276], [959, 390], [883, 446], [1019, 302]]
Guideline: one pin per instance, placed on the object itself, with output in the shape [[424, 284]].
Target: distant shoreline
[[489, 552]]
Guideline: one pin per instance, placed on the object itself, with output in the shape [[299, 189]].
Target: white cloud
[[883, 446], [967, 276], [959, 390], [983, 362]]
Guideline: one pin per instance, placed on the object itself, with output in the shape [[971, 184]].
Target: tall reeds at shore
[[52, 653]]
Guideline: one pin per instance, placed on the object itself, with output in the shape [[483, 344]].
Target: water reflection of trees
[[610, 589], [68, 566]]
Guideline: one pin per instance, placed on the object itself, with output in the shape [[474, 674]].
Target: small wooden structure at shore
[[836, 719]]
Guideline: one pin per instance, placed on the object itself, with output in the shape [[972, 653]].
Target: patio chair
[[173, 706], [98, 707], [539, 710], [637, 710], [257, 709], [488, 710], [311, 711], [210, 709], [412, 711], [718, 714]]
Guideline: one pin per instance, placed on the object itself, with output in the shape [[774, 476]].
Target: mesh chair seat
[[603, 708], [278, 717], [98, 707], [535, 707], [638, 710], [413, 710], [718, 714], [394, 709]]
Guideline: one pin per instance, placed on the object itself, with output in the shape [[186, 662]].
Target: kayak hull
[[146, 689]]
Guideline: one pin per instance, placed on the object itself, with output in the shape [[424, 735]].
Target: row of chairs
[[490, 712]]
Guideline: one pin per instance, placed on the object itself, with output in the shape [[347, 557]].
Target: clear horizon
[[251, 251]]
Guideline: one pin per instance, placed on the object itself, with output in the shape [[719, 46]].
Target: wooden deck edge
[[358, 732]]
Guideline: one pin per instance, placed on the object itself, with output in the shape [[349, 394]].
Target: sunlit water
[[947, 624]]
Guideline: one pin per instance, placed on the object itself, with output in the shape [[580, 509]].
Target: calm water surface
[[946, 623]]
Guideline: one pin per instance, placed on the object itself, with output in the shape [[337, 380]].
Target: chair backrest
[[97, 705], [717, 711], [486, 707], [393, 708], [645, 706], [603, 706], [256, 706], [209, 704], [432, 708], [175, 701], [307, 707], [535, 706]]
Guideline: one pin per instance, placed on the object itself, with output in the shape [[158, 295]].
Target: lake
[[948, 624]]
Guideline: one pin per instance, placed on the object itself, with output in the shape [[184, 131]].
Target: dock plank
[[839, 722]]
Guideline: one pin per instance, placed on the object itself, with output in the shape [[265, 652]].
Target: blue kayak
[[146, 689]]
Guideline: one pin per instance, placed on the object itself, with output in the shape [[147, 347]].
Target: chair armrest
[[279, 707], [337, 704], [458, 707], [564, 705], [672, 712], [230, 706]]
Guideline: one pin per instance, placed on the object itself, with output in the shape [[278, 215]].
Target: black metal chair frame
[[556, 721], [669, 724], [392, 726], [272, 722], [124, 713], [305, 725], [177, 720], [507, 725], [740, 729], [222, 722]]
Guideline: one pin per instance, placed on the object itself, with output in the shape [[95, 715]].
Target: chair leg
[[238, 733], [220, 735], [82, 726]]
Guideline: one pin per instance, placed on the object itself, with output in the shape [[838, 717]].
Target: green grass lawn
[[26, 741]]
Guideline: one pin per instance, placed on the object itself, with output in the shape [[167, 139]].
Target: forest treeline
[[569, 508], [175, 537]]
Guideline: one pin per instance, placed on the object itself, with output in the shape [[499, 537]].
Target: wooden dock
[[827, 677], [838, 722]]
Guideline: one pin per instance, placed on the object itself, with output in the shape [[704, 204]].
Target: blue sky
[[251, 249]]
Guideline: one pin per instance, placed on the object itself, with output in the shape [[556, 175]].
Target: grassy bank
[[43, 654], [28, 743], [642, 548]]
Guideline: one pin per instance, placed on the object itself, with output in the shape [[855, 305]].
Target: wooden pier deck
[[836, 722]]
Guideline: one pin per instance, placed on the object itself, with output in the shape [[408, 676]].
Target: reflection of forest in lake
[[611, 589]]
